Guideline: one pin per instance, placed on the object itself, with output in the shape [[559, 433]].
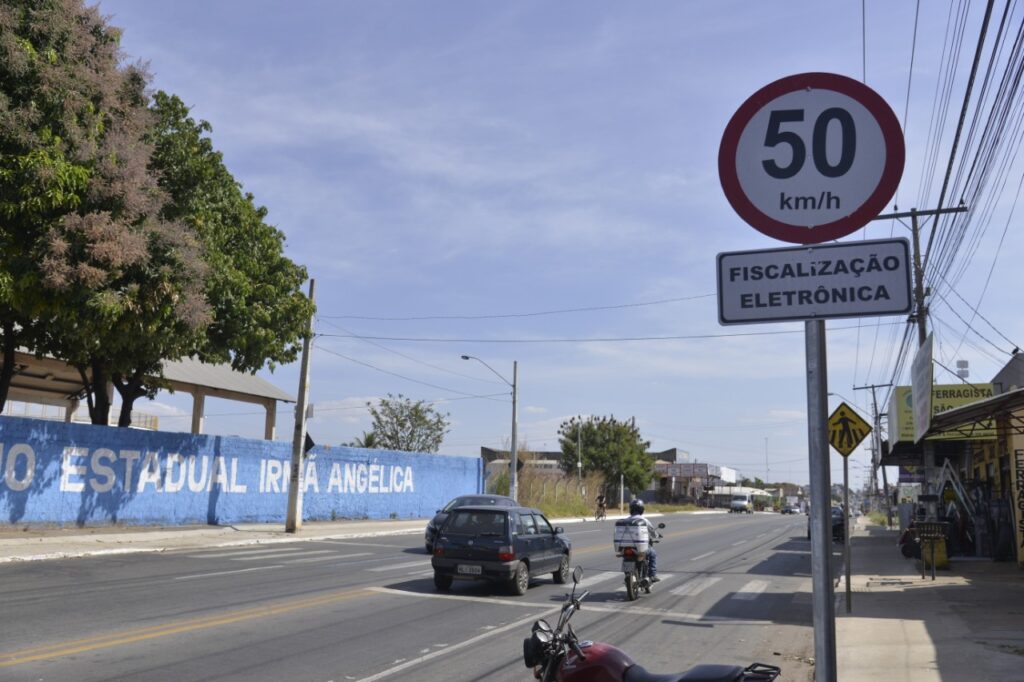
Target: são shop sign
[[811, 158]]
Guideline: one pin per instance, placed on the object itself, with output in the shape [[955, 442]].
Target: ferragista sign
[[811, 158]]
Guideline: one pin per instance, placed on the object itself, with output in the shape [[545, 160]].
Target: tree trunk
[[129, 391], [96, 393], [10, 344]]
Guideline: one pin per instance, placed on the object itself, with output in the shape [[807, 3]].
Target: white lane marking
[[363, 544], [473, 640], [255, 558], [597, 578], [762, 535], [395, 567], [241, 570], [664, 577], [422, 573], [246, 552], [751, 590], [457, 597], [702, 556], [332, 557], [741, 542], [695, 587], [590, 606]]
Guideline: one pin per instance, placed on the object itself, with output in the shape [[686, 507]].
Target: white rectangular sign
[[856, 279], [921, 389]]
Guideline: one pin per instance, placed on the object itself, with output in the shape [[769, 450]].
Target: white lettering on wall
[[101, 470], [68, 469], [129, 457], [175, 465], [149, 472], [25, 452]]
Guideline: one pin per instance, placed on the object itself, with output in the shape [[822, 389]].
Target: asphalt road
[[735, 589]]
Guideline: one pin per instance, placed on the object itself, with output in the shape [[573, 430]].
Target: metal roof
[[191, 371], [968, 418], [53, 382]]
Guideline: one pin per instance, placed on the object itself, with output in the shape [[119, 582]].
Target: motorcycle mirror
[[577, 574]]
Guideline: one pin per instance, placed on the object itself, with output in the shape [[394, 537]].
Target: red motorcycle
[[557, 655]]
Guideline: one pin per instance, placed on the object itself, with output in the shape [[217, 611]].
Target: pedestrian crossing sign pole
[[846, 429]]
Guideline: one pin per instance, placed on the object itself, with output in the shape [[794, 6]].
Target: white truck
[[741, 502]]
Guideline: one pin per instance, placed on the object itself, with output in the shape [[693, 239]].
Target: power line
[[401, 376], [610, 339], [562, 311]]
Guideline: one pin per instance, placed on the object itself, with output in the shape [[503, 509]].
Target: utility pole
[[579, 454], [293, 521], [921, 313], [876, 446]]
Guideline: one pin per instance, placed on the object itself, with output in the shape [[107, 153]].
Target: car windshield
[[472, 522]]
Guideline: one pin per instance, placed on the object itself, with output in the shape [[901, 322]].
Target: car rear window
[[476, 523], [471, 501]]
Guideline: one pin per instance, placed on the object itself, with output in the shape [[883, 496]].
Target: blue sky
[[478, 166]]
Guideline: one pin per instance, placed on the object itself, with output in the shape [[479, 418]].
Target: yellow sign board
[[846, 429], [944, 397]]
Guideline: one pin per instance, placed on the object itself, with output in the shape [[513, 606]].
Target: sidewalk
[[967, 624], [36, 544]]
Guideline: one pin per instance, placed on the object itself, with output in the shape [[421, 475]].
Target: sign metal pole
[[823, 600]]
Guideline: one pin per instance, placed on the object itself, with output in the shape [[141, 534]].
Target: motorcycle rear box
[[631, 533]]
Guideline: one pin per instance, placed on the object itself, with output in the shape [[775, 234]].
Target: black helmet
[[636, 507]]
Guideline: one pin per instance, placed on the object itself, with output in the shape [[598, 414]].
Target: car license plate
[[628, 566], [465, 569]]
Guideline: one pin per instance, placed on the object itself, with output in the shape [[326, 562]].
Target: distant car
[[503, 545], [838, 524], [789, 509], [461, 501]]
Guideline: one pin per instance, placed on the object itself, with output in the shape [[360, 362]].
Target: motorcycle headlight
[[533, 652]]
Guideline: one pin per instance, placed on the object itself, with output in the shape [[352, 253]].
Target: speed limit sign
[[811, 158]]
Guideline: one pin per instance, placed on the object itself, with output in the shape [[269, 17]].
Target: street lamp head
[[465, 357]]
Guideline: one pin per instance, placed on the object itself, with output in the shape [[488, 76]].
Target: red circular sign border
[[892, 172]]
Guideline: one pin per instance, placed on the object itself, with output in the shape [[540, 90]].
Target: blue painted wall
[[79, 474]]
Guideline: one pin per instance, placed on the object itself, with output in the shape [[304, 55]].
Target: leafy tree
[[368, 440], [608, 446], [56, 59], [401, 424], [112, 287], [124, 241], [259, 313]]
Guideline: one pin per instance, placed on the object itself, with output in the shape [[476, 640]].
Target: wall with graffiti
[[79, 474]]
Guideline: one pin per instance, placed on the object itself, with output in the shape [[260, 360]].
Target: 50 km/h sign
[[811, 158]]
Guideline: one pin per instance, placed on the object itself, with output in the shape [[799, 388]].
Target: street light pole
[[514, 454], [514, 449]]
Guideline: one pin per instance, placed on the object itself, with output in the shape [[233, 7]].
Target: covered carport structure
[[47, 381]]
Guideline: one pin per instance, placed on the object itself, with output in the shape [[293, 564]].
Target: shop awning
[[1008, 407]]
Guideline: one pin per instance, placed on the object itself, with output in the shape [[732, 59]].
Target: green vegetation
[[608, 447]]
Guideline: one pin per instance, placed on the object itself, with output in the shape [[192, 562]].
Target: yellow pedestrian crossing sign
[[846, 429]]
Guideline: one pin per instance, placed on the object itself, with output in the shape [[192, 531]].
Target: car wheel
[[562, 574], [520, 580], [442, 582]]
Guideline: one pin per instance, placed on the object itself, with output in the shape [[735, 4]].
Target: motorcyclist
[[636, 512]]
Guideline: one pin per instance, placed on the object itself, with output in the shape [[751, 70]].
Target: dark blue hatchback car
[[501, 545], [461, 501]]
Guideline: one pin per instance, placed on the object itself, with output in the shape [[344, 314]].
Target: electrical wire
[[561, 311]]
